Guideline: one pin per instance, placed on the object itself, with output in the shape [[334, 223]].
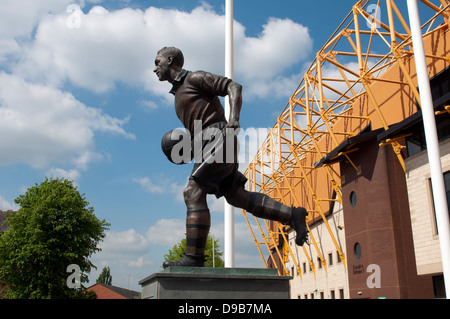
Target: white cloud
[[149, 186], [270, 87], [71, 174], [107, 47], [119, 46], [41, 52], [133, 255], [131, 244], [127, 253], [6, 205], [140, 262], [40, 125], [133, 248], [282, 44], [164, 186], [167, 232], [149, 105], [125, 241], [18, 18], [8, 48]]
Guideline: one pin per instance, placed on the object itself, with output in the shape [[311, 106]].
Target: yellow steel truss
[[336, 99]]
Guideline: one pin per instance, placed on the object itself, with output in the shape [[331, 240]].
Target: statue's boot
[[263, 206], [198, 223], [298, 222]]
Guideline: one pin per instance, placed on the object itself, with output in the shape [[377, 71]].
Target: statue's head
[[168, 62]]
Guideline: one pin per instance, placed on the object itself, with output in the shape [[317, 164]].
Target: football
[[181, 140]]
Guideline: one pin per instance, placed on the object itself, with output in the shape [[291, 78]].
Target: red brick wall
[[380, 222]]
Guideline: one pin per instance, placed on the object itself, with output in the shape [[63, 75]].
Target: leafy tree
[[178, 250], [53, 228], [105, 277]]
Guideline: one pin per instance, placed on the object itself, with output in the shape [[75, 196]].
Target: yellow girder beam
[[310, 126]]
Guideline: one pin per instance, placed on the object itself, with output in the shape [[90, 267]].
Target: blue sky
[[78, 99]]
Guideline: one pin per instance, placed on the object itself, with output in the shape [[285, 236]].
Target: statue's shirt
[[196, 98]]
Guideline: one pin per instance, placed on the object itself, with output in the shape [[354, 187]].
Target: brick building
[[349, 147], [104, 291]]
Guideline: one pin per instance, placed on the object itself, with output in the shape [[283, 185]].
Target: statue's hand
[[234, 124]]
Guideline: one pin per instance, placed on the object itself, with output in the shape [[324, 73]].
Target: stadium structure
[[349, 146]]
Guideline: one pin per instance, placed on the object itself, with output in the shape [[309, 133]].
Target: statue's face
[[162, 66]]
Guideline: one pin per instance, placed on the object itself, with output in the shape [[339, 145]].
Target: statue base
[[215, 283]]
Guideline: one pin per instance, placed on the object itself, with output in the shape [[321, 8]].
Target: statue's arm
[[221, 86], [235, 100]]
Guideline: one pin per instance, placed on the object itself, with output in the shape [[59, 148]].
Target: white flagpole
[[434, 158], [228, 209]]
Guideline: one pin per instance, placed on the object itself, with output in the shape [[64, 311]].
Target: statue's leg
[[263, 206], [198, 222]]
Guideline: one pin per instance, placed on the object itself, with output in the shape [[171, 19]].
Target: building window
[[439, 286], [447, 191], [332, 294], [338, 257], [341, 293], [330, 259], [319, 261], [353, 199], [304, 267], [357, 251]]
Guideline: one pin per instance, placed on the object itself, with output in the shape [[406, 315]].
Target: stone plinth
[[215, 283]]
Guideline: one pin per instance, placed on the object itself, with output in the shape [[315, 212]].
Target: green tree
[[178, 250], [53, 228], [105, 277]]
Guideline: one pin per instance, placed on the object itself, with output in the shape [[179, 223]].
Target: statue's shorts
[[216, 166]]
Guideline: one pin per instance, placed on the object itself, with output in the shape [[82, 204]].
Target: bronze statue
[[197, 104]]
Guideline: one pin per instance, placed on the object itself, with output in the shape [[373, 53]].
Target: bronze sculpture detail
[[199, 109]]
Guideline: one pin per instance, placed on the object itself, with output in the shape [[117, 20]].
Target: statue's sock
[[198, 222], [261, 205]]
